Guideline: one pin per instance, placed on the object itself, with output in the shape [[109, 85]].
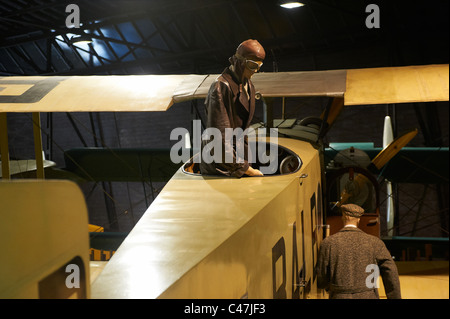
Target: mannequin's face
[[245, 68], [248, 73]]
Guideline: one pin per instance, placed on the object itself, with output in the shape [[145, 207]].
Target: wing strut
[[6, 170], [335, 109], [36, 116], [330, 114], [4, 149]]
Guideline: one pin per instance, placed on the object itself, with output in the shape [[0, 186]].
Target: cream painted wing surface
[[425, 83], [146, 92], [117, 93], [211, 237], [88, 93]]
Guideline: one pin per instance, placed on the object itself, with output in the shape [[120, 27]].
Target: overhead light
[[79, 39], [291, 4]]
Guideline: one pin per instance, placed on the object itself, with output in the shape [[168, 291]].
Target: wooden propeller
[[380, 160]]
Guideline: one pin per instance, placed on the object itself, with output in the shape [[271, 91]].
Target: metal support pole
[[4, 150], [38, 145], [49, 144], [268, 112]]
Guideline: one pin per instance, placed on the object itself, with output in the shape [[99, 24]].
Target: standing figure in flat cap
[[350, 261], [230, 104]]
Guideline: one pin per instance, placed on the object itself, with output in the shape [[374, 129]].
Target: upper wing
[[158, 92], [88, 93], [426, 83]]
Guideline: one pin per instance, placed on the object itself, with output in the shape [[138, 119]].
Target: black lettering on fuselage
[[279, 251]]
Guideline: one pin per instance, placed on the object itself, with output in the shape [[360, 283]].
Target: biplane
[[203, 236]]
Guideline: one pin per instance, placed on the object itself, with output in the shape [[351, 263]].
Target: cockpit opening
[[271, 159]]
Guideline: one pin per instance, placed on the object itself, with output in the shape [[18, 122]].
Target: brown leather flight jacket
[[228, 106]]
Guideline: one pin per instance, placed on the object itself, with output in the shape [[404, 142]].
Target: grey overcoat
[[346, 266]]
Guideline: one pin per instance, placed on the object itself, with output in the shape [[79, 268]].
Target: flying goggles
[[250, 64]]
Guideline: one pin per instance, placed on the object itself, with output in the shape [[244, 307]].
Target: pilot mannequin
[[230, 103]]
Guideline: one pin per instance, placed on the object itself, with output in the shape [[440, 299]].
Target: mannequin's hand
[[253, 172]]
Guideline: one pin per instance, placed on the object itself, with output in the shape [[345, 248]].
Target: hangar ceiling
[[198, 36]]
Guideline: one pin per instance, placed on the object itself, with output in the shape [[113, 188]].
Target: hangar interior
[[198, 37]]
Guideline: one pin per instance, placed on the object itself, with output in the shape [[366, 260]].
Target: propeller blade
[[388, 138], [393, 148]]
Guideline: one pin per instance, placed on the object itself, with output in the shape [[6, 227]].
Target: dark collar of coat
[[230, 78], [233, 81]]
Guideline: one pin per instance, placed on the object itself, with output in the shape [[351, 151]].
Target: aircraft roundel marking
[[39, 89]]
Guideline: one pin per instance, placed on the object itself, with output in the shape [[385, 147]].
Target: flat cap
[[352, 210]]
